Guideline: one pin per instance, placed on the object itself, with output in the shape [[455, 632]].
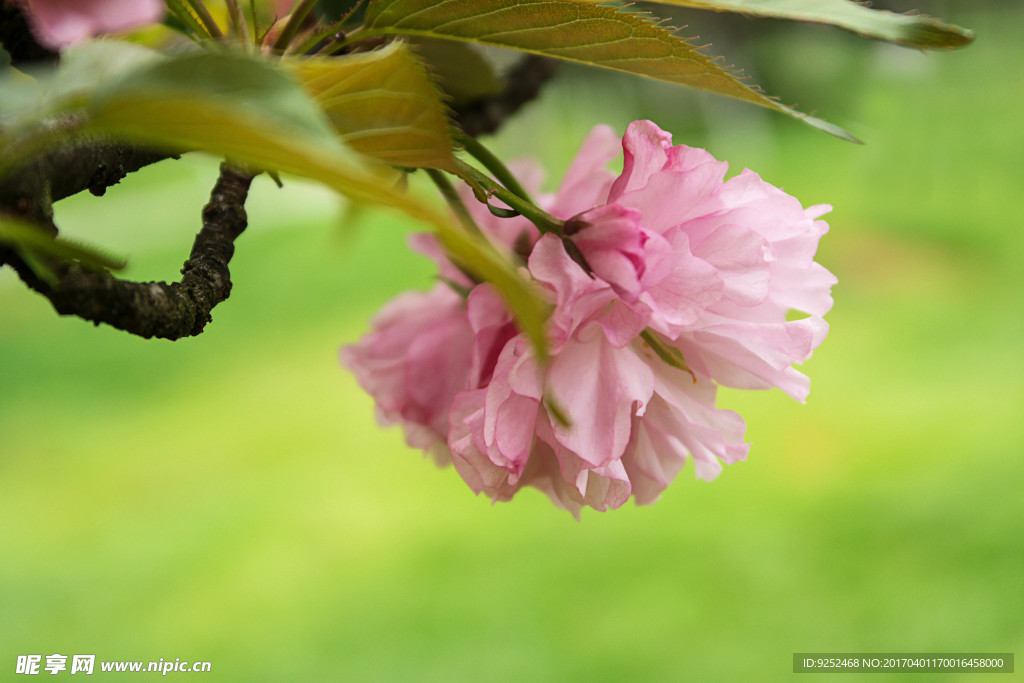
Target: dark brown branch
[[73, 167], [95, 165], [158, 309], [522, 84], [69, 169], [172, 311]]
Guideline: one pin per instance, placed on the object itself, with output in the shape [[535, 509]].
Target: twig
[[522, 84], [70, 169], [158, 309]]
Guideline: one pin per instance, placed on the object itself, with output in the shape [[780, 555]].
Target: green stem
[[255, 23], [544, 221], [294, 23], [185, 15], [333, 31], [495, 166], [311, 40], [350, 42], [462, 213], [339, 43], [330, 47], [238, 24], [204, 16], [454, 200]]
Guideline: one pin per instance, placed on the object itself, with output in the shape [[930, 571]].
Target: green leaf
[[38, 92], [242, 108], [579, 31], [37, 107], [463, 73], [251, 112], [254, 113], [914, 30], [30, 242], [486, 264], [82, 69], [666, 352], [383, 104]]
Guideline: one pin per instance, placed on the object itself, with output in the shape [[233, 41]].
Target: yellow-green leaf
[[576, 31], [914, 30], [242, 108], [252, 112], [383, 104], [34, 104], [484, 262]]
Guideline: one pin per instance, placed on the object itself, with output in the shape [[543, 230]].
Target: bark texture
[[158, 309]]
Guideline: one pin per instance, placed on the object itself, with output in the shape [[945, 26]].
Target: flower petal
[[59, 23], [644, 151]]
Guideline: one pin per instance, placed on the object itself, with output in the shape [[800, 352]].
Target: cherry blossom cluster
[[668, 281]]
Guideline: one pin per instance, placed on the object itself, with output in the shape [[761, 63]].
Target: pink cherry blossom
[[59, 23], [604, 379], [425, 348], [669, 281], [415, 362]]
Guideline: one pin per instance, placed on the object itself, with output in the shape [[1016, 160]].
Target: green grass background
[[230, 498]]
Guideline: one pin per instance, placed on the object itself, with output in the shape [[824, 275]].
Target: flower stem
[[484, 187], [316, 37], [238, 24], [341, 42], [454, 200], [204, 16], [495, 166], [291, 27], [188, 20], [462, 213], [327, 38]]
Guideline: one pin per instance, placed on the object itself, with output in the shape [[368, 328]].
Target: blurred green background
[[230, 498]]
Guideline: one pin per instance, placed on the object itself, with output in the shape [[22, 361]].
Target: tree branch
[[522, 84], [67, 170], [158, 309], [181, 309]]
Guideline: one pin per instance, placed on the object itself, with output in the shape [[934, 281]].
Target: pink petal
[[691, 194], [681, 288], [600, 387], [467, 446], [580, 299], [413, 362], [493, 327], [58, 23], [738, 256], [757, 356], [644, 150], [587, 181], [612, 245]]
